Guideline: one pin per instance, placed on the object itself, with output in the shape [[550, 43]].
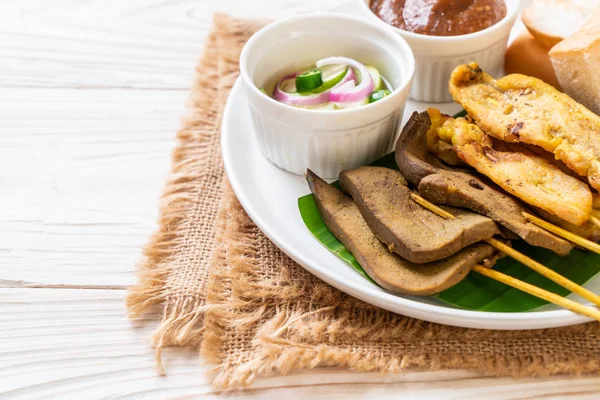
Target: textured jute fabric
[[227, 290]]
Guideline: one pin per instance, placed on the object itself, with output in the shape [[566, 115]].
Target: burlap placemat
[[227, 290]]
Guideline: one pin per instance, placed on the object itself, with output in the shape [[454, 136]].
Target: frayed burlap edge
[[284, 327], [290, 331], [181, 323], [194, 161]]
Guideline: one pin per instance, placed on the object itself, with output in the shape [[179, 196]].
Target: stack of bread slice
[[562, 48], [551, 21], [576, 60]]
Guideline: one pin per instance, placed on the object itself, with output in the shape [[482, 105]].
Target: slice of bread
[[576, 61], [551, 21]]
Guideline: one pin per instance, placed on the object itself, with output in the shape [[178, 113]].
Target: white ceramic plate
[[269, 195]]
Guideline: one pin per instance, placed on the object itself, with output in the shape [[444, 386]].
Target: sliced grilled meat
[[415, 233], [458, 188], [392, 272]]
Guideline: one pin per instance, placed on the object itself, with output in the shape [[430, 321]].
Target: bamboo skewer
[[595, 221], [537, 292], [545, 271], [431, 207], [570, 236], [522, 258]]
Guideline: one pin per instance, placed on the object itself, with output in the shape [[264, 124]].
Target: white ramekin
[[326, 141], [437, 56]]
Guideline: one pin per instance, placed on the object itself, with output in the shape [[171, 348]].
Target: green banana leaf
[[477, 292]]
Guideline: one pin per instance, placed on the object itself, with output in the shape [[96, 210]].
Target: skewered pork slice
[[389, 270], [519, 108], [418, 235], [458, 188], [521, 173]]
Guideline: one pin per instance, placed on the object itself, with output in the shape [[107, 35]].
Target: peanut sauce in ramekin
[[440, 17]]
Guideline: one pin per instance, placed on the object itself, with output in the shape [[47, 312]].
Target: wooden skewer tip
[[431, 207]]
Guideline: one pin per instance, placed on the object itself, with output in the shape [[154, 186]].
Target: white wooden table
[[91, 92]]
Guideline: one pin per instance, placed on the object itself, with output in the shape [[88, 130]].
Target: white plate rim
[[394, 303]]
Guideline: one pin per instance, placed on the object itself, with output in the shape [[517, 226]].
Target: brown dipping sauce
[[440, 17]]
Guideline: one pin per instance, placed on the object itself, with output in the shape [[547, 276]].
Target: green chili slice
[[378, 95], [309, 80]]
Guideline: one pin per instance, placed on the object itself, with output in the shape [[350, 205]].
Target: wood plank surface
[[91, 94], [85, 169], [75, 344], [136, 44]]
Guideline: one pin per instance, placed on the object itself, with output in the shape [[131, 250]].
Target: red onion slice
[[295, 99], [347, 94], [347, 87]]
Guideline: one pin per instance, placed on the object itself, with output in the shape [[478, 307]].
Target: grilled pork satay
[[518, 108], [464, 189], [384, 199], [344, 220], [523, 174], [522, 147], [442, 150]]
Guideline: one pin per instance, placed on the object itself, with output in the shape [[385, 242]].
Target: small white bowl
[[326, 141], [437, 56]]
